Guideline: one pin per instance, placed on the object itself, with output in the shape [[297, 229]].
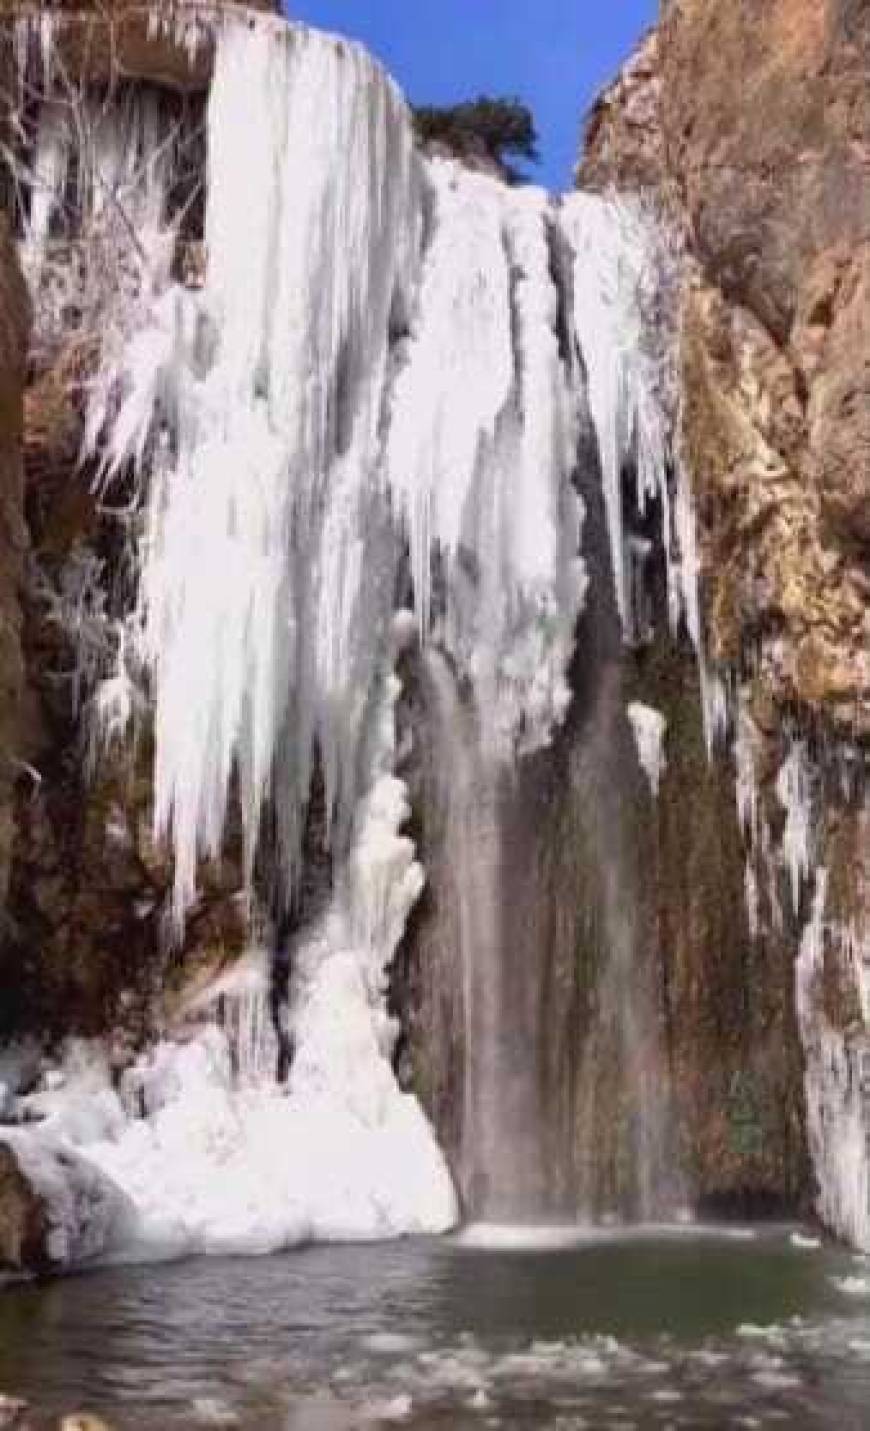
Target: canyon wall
[[746, 126]]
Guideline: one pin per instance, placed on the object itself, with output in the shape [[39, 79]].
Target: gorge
[[434, 645]]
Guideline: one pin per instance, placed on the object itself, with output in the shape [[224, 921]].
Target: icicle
[[752, 898], [481, 451], [794, 792], [650, 729], [615, 258], [747, 749], [238, 1001], [837, 1082], [261, 399]]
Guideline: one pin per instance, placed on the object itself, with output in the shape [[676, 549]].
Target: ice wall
[[367, 373], [375, 360], [482, 449], [252, 409]]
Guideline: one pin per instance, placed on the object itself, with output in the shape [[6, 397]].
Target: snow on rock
[[650, 729], [211, 1154], [57, 1208]]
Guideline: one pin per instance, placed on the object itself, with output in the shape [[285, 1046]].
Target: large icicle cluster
[[482, 448], [253, 409], [625, 286], [289, 439]]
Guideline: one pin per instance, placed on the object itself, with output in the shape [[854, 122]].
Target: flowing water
[[648, 1329]]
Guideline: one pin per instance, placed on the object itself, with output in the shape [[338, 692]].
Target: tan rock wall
[[750, 123], [767, 132]]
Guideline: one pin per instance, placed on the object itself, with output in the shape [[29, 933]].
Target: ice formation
[[622, 280], [482, 448], [203, 1151], [336, 388], [375, 375], [794, 792], [252, 409], [836, 1078], [836, 1058], [650, 729], [375, 384], [381, 351]]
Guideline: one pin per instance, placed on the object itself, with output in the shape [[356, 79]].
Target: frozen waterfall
[[364, 384]]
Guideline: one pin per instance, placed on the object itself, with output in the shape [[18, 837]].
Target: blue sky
[[554, 54]]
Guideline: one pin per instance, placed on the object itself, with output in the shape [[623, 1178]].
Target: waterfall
[[370, 376], [500, 1160]]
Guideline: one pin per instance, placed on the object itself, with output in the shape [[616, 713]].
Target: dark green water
[[649, 1330]]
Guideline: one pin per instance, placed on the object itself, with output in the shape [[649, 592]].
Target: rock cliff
[[749, 123], [81, 947], [747, 126]]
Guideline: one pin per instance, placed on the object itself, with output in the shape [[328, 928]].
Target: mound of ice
[[77, 1213]]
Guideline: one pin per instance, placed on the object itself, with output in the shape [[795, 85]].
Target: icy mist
[[346, 430]]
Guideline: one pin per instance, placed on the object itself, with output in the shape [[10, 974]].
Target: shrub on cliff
[[491, 130]]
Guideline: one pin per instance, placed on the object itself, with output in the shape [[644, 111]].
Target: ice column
[[481, 453], [253, 409]]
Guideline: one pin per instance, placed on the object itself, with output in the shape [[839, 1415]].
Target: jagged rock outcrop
[[623, 136], [769, 180]]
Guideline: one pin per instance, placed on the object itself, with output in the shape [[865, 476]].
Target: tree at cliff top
[[483, 129]]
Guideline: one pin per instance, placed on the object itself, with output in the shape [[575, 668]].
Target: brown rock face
[[774, 174], [760, 151], [14, 318], [109, 40], [756, 148], [23, 1221], [623, 134]]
